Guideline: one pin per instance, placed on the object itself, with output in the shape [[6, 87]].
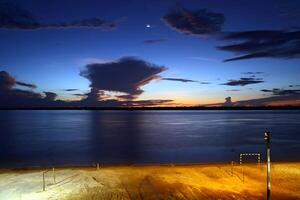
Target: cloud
[[183, 80], [243, 81], [154, 41], [294, 85], [233, 90], [16, 98], [70, 90], [126, 82], [13, 17], [7, 82], [29, 85], [50, 96], [126, 75], [263, 44], [285, 100], [179, 79], [271, 101], [281, 92], [252, 73], [195, 22]]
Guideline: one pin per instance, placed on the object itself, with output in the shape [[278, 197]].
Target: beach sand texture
[[207, 181]]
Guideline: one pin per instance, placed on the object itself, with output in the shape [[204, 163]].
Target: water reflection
[[85, 137]]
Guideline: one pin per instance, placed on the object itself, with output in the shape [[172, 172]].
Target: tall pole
[[267, 139]]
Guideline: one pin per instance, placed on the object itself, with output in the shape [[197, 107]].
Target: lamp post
[[267, 138]]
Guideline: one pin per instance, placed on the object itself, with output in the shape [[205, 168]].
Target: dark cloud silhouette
[[195, 22], [8, 82], [154, 41], [294, 85], [179, 79], [50, 96], [277, 91], [183, 80], [141, 74], [264, 43], [126, 75], [243, 81], [29, 85], [70, 90], [252, 73], [17, 98], [13, 17], [284, 100], [271, 101]]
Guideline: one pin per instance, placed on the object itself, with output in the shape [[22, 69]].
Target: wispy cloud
[[154, 41], [184, 80], [243, 82], [277, 91], [263, 44], [13, 17]]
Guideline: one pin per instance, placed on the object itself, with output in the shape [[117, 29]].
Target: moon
[[148, 26]]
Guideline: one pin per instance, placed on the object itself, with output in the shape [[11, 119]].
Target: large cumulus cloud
[[263, 44], [126, 75], [13, 17], [195, 22]]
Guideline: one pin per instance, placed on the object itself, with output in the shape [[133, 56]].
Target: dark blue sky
[[178, 36]]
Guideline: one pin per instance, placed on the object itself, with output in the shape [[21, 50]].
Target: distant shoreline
[[158, 108]]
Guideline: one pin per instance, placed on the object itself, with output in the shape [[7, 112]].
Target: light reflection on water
[[30, 138]]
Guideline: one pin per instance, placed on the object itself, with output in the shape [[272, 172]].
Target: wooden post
[[44, 186], [243, 175], [97, 166], [231, 168], [53, 173]]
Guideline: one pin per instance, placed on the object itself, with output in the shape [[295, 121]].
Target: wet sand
[[209, 181]]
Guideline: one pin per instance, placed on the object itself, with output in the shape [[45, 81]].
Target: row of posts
[[267, 139], [54, 176]]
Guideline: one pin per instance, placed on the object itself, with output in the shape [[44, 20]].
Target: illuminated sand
[[154, 182]]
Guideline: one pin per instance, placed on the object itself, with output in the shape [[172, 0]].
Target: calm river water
[[46, 138]]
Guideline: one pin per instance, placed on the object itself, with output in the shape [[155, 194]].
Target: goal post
[[257, 155]]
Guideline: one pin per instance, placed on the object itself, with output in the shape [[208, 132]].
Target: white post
[[267, 139], [53, 173]]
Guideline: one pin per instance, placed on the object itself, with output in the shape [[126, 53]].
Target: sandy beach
[[207, 181]]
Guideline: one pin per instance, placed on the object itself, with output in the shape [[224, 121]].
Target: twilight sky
[[149, 52]]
